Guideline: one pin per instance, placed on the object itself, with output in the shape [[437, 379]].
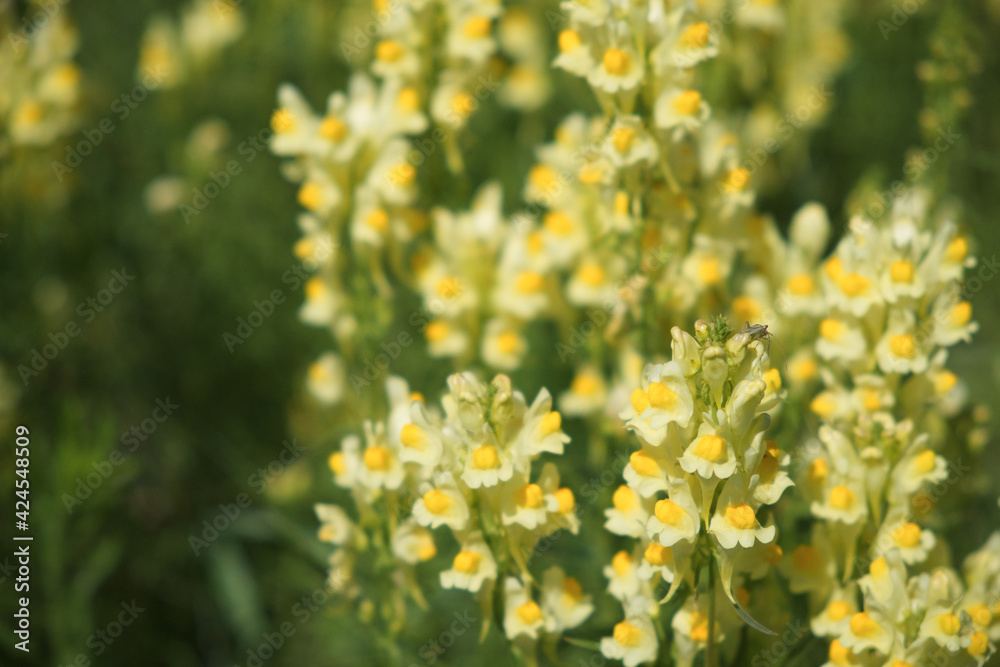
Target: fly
[[760, 332]]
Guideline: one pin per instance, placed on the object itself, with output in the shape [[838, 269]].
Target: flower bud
[[701, 330], [876, 470], [737, 347], [466, 393], [686, 351], [716, 370], [742, 406], [944, 587], [810, 229], [502, 408]]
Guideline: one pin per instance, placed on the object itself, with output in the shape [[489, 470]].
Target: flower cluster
[[934, 617], [562, 190], [39, 80], [357, 164], [695, 490], [638, 220], [173, 51], [606, 201], [466, 468], [867, 329], [885, 306]]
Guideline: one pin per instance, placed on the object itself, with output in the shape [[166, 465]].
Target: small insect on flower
[[757, 332], [760, 332]]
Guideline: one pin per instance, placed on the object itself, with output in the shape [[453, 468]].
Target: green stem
[[711, 659]]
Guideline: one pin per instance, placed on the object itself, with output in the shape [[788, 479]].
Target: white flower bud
[[737, 347], [467, 394], [715, 368], [503, 400], [701, 330], [810, 229], [685, 351], [742, 406]]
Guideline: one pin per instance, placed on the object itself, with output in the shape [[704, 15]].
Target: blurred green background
[[162, 337]]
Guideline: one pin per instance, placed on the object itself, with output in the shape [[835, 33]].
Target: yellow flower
[[389, 51], [616, 61], [688, 102], [569, 40], [695, 35]]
